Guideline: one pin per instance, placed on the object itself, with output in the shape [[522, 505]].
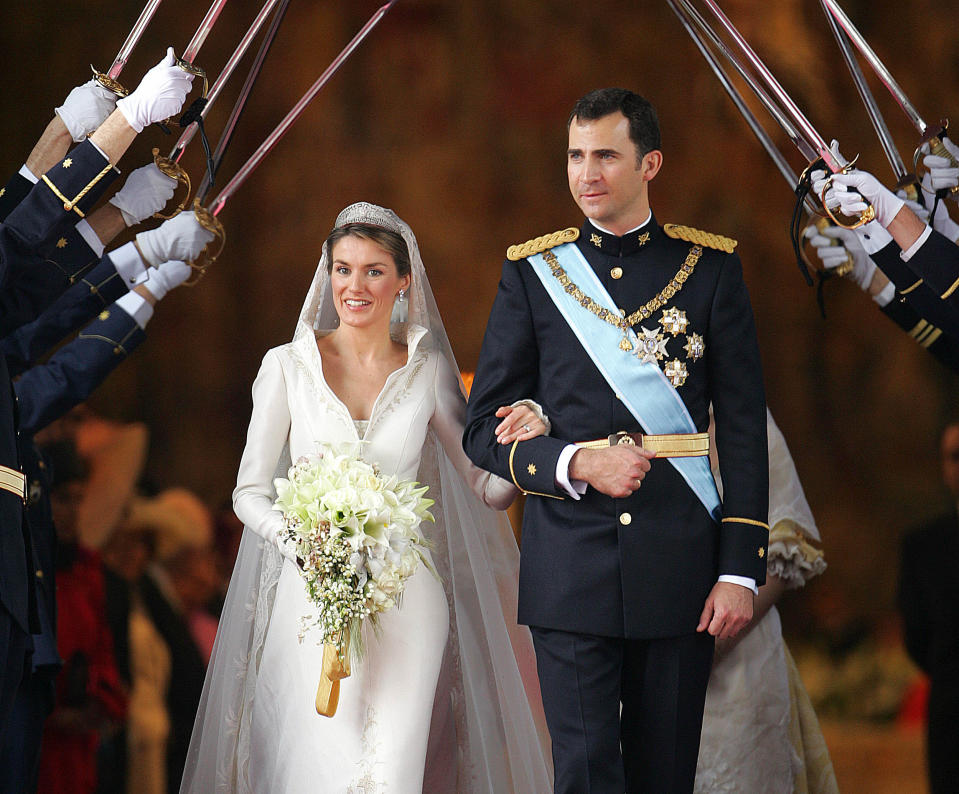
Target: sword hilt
[[176, 172], [933, 137], [108, 82], [822, 223], [208, 221], [844, 221], [193, 69]]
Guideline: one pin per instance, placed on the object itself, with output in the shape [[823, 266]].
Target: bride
[[445, 698]]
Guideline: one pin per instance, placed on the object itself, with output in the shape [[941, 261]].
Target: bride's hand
[[520, 422]]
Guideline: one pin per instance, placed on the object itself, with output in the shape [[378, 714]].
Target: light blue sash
[[643, 387]]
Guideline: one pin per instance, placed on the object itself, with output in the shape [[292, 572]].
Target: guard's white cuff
[[129, 264], [911, 250], [138, 307], [743, 581], [26, 173], [873, 237], [575, 488], [89, 236], [101, 152], [886, 294]]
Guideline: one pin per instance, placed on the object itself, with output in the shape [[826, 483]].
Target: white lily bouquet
[[355, 534]]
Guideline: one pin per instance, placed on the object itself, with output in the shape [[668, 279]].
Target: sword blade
[[903, 175], [281, 129], [884, 75], [135, 33], [807, 149], [228, 69], [230, 126], [790, 108], [782, 165], [193, 48]]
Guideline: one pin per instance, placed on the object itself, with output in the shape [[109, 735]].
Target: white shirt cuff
[[26, 173], [138, 307], [873, 237], [129, 264], [90, 237], [744, 581], [99, 150], [575, 488], [908, 253], [886, 294]]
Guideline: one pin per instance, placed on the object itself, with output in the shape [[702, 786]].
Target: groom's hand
[[729, 607], [615, 471]]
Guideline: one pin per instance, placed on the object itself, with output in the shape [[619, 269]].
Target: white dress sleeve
[[448, 421], [268, 433]]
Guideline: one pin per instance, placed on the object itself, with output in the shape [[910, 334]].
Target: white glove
[[146, 191], [851, 192], [180, 238], [941, 222], [161, 94], [944, 175], [166, 277], [832, 255], [86, 108]]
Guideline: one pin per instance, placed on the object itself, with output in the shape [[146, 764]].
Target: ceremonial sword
[[170, 165], [832, 161], [931, 135], [207, 216], [108, 79], [758, 130]]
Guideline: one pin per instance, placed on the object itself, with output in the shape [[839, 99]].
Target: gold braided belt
[[13, 481], [667, 445]]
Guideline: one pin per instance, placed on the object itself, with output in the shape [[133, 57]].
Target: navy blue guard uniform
[[613, 589], [28, 285]]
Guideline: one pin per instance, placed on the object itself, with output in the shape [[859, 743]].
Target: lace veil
[[501, 737]]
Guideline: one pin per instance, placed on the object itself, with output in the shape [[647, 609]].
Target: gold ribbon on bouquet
[[335, 669]]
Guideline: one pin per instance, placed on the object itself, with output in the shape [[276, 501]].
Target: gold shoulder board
[[539, 244], [691, 235]]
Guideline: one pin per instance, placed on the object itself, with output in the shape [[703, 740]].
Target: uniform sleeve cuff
[[885, 296], [744, 581], [27, 174], [873, 237], [85, 230], [908, 253], [129, 264], [575, 488], [138, 307]]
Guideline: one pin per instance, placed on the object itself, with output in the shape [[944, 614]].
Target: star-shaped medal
[[695, 346], [652, 345], [674, 321], [675, 372]]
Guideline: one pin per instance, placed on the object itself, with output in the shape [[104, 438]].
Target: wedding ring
[[526, 428]]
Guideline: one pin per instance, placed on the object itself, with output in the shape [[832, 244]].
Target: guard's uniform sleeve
[[47, 391], [12, 193], [914, 289], [936, 262], [944, 347], [739, 406], [28, 282], [507, 371], [97, 290]]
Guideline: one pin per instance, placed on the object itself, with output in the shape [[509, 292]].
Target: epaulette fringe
[[698, 237], [539, 244]]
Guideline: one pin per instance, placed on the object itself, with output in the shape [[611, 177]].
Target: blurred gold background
[[453, 113]]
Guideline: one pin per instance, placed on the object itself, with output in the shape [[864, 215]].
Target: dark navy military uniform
[[943, 346], [29, 283], [613, 588]]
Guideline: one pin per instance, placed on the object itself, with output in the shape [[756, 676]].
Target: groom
[[630, 564]]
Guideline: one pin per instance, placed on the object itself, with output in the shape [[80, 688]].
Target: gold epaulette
[[539, 244], [697, 237]]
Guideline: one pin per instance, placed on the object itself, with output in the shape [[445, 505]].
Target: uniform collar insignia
[[627, 245]]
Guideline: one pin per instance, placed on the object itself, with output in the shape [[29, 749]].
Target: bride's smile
[[365, 282]]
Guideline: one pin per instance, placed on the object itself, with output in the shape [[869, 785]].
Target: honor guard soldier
[[28, 284], [625, 331]]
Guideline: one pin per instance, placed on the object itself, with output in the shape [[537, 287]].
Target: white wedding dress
[[445, 698]]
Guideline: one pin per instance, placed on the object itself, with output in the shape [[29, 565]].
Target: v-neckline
[[414, 336]]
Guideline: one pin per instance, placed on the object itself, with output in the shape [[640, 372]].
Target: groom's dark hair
[[388, 240]]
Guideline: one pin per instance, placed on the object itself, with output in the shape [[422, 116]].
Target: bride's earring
[[400, 308]]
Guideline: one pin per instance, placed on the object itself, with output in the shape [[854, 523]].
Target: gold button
[[616, 272], [625, 519], [39, 574]]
